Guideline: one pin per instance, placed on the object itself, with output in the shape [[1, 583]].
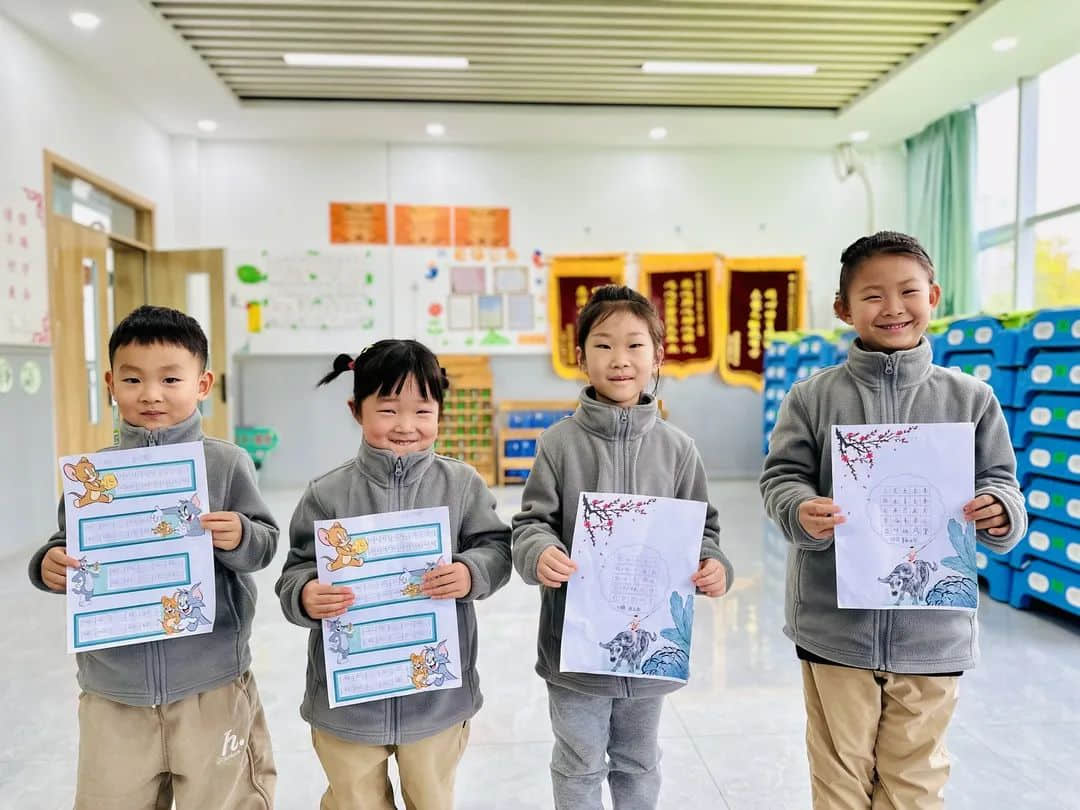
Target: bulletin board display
[[24, 293], [758, 296], [571, 280], [477, 300], [309, 301]]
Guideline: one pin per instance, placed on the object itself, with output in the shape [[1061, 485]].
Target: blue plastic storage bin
[[1048, 583], [1046, 540], [1055, 414], [1049, 370], [1054, 500], [982, 366], [1053, 456], [1058, 328], [997, 575]]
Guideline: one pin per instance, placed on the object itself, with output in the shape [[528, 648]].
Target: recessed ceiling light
[[730, 68], [436, 130], [1004, 44], [859, 135], [85, 20], [399, 61], [658, 133], [206, 125]]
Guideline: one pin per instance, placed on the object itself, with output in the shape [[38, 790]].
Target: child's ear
[[659, 356], [580, 355], [842, 311], [109, 383], [935, 295], [354, 410], [206, 382]]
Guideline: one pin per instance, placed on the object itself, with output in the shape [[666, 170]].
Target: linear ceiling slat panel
[[547, 51]]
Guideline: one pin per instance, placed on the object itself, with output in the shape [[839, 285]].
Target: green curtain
[[941, 205]]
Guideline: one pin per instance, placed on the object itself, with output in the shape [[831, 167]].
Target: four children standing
[[880, 686]]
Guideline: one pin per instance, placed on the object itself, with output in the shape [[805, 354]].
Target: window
[[91, 206], [1057, 262], [1027, 195], [1058, 158], [995, 171], [996, 274]]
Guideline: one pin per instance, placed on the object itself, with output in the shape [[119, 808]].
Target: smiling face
[[889, 302], [158, 384], [620, 358], [405, 422]]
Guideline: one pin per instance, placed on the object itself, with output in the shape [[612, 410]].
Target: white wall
[[739, 201], [743, 201], [48, 102]]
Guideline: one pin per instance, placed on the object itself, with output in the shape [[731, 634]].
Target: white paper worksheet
[[394, 640], [630, 604], [146, 565], [905, 544]]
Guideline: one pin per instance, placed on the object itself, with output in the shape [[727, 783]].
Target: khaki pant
[[210, 750], [357, 772], [876, 740]]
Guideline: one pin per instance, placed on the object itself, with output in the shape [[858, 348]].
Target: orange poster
[[422, 225], [482, 227], [357, 223]]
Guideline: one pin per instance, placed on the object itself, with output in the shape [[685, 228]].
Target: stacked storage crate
[[781, 365], [1046, 435]]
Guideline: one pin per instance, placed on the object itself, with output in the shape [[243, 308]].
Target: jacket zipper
[[890, 417], [622, 484], [395, 505], [153, 650]]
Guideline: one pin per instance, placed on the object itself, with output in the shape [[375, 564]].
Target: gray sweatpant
[[601, 736]]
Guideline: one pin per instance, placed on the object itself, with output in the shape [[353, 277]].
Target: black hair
[[383, 368], [148, 325], [882, 242], [611, 298]]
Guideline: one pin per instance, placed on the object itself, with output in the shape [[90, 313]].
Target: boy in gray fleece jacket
[[880, 686], [607, 725], [179, 718], [397, 395]]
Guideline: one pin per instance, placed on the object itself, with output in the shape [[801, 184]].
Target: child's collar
[[190, 430], [383, 466], [907, 366], [612, 421]]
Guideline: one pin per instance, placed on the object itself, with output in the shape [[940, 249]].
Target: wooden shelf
[[470, 375], [509, 434]]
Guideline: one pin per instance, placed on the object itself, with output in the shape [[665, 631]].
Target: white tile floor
[[731, 739]]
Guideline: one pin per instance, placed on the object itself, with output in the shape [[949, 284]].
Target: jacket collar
[[384, 466], [613, 422], [190, 430], [909, 367]]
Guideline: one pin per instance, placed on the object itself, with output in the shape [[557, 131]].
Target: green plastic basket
[[257, 441]]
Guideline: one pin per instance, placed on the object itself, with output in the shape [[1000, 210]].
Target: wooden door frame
[[144, 241], [144, 208]]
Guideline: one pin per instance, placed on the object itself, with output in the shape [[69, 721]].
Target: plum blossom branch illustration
[[599, 515], [857, 447]]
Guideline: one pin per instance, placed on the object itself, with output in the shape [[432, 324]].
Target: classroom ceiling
[[563, 51], [138, 56]]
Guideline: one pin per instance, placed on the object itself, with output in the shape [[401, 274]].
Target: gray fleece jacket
[[378, 481], [602, 448], [873, 387], [165, 671]]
